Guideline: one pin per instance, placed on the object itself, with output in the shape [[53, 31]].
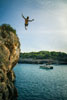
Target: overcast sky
[[47, 32]]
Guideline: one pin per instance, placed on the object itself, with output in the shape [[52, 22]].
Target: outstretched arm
[[31, 20], [23, 16]]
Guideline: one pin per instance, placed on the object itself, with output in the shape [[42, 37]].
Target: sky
[[47, 32]]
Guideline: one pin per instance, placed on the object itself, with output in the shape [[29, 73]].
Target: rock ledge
[[9, 55]]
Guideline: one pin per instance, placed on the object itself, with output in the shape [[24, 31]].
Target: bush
[[8, 28]]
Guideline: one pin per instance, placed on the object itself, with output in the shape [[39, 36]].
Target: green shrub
[[8, 28]]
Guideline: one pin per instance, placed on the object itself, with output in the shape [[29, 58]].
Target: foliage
[[60, 56], [8, 28]]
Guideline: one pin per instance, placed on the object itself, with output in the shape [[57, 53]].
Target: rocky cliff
[[9, 55]]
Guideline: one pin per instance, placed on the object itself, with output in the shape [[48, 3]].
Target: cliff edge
[[9, 55]]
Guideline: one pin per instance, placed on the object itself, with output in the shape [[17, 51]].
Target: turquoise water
[[34, 83]]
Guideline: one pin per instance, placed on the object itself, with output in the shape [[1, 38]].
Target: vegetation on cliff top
[[8, 28]]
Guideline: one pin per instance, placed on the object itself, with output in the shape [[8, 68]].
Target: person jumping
[[26, 21]]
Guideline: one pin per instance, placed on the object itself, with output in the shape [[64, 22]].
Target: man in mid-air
[[26, 21]]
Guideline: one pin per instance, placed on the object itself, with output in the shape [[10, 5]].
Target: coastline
[[40, 61]]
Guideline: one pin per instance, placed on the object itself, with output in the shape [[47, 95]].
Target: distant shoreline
[[40, 61], [42, 57]]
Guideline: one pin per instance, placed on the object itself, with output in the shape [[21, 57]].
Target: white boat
[[46, 66]]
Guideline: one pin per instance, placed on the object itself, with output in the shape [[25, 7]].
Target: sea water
[[34, 83]]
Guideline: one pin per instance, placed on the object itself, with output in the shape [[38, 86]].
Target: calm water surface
[[34, 83]]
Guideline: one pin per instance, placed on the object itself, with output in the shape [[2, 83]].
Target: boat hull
[[46, 67]]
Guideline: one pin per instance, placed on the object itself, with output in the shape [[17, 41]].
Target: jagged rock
[[9, 55]]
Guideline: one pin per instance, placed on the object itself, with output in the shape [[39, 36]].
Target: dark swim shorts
[[26, 24]]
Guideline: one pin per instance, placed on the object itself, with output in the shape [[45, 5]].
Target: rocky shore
[[41, 57], [9, 55], [40, 61]]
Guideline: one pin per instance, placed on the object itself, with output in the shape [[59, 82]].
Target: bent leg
[[25, 28], [26, 25]]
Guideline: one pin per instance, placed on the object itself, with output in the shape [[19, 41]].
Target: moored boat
[[46, 66]]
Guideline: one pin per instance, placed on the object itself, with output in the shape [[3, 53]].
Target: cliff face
[[9, 55]]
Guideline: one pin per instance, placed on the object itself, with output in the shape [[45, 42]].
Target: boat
[[46, 66]]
